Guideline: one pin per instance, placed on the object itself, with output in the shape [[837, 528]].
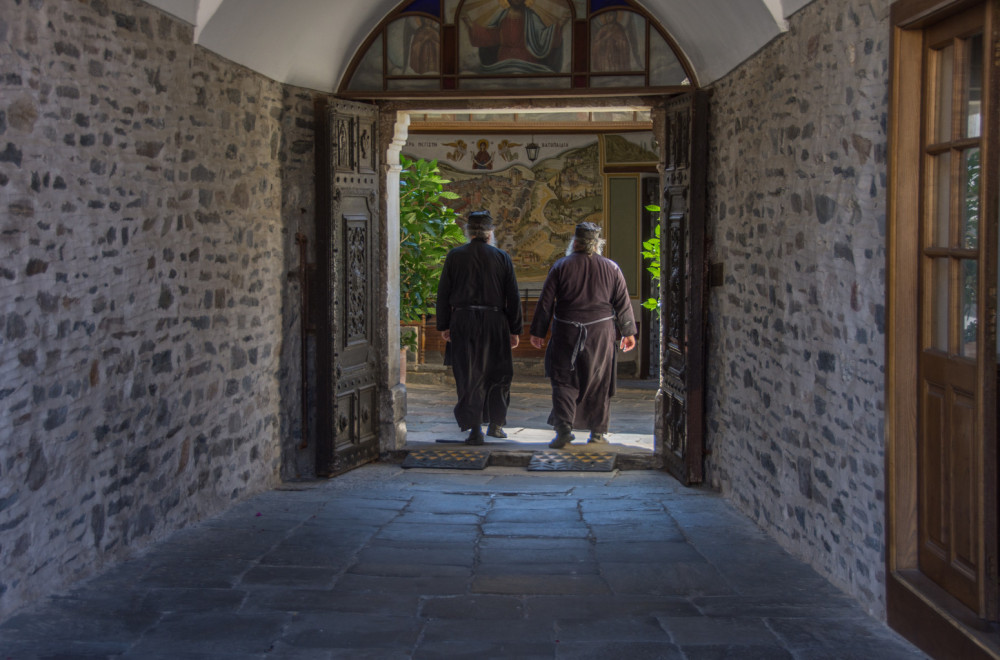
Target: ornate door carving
[[349, 237], [680, 400]]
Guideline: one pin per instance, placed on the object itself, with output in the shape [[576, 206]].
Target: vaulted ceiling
[[310, 43]]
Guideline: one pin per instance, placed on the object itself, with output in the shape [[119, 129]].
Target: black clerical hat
[[480, 221]]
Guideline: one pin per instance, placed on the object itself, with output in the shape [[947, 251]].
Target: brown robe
[[479, 303], [586, 301]]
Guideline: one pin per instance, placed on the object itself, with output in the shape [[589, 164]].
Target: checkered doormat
[[455, 459], [572, 461]]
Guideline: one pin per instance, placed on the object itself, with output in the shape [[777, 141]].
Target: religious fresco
[[537, 202], [462, 46], [617, 42], [414, 46], [505, 37]]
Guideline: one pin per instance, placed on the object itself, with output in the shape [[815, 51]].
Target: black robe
[[586, 301], [479, 303]]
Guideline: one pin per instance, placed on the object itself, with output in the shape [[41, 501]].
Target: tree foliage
[[651, 252], [427, 230]]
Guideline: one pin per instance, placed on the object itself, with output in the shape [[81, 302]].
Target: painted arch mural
[[464, 46]]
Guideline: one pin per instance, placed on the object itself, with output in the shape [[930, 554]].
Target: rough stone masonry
[[797, 352], [141, 262]]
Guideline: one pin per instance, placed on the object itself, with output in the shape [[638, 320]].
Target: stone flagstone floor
[[386, 563], [502, 563]]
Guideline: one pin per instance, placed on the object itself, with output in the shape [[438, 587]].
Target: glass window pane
[[414, 84], [974, 86], [413, 47], [970, 312], [617, 81], [368, 75], [598, 5], [432, 7], [613, 116], [664, 67], [449, 10], [938, 305], [560, 116], [945, 77], [618, 42], [970, 198], [940, 200]]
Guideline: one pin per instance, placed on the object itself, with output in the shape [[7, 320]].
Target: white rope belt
[[581, 336]]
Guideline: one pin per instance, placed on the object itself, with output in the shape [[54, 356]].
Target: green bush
[[651, 252], [427, 230]]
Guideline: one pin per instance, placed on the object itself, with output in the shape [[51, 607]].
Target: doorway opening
[[540, 171]]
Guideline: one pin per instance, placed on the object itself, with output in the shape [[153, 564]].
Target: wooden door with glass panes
[[955, 262]]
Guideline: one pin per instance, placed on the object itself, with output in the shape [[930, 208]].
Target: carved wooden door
[[680, 400], [349, 238]]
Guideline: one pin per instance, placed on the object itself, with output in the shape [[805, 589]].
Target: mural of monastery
[[537, 204]]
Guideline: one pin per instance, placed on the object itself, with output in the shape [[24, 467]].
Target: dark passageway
[[386, 562], [500, 563]]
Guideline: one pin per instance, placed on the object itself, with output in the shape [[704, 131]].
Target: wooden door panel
[[367, 402], [355, 291], [965, 484], [350, 360], [679, 424], [933, 477], [950, 539]]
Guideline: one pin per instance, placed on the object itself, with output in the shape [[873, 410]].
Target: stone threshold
[[505, 457]]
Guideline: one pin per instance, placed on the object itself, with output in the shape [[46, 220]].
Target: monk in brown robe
[[479, 315], [586, 301]]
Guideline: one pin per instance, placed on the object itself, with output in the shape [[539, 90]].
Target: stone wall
[[797, 217], [141, 277], [298, 200]]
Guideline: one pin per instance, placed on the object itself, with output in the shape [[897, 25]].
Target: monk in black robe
[[479, 315], [586, 301]]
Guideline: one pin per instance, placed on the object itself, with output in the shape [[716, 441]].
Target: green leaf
[[427, 231]]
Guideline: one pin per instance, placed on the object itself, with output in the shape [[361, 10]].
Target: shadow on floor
[[387, 563]]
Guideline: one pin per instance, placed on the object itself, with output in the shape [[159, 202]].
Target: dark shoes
[[475, 437], [495, 431], [563, 437]]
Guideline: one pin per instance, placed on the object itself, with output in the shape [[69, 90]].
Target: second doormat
[[583, 461], [454, 459]]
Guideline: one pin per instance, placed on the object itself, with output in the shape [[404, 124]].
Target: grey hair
[[587, 246], [481, 234]]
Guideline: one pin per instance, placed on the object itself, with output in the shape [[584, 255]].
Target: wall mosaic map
[[537, 204]]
